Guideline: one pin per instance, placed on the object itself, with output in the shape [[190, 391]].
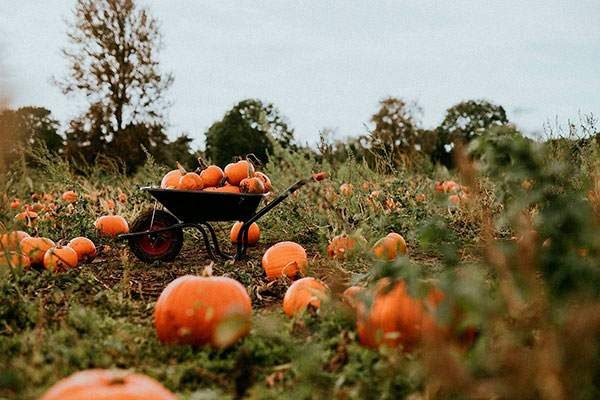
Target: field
[[514, 256]]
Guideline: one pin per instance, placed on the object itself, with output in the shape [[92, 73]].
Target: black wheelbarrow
[[157, 234]]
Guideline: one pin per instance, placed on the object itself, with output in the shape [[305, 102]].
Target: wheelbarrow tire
[[164, 246]]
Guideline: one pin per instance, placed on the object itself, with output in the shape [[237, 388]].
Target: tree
[[463, 122], [249, 127], [113, 65], [25, 126], [396, 131]]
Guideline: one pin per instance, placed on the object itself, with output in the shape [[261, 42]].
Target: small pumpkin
[[10, 241], [346, 189], [171, 179], [60, 258], [265, 179], [111, 225], [394, 319], [227, 189], [253, 233], [235, 172], [30, 218], [69, 196], [211, 176], [386, 248], [15, 204], [340, 246], [199, 310], [301, 293], [35, 248], [189, 180], [85, 249], [284, 258], [107, 385], [122, 198], [14, 259]]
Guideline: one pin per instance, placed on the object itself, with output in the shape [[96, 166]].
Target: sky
[[327, 63]]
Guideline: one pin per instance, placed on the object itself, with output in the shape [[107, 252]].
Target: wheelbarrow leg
[[221, 253], [207, 242]]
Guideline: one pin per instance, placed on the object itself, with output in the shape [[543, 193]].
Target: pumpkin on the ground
[[284, 258], [14, 259], [11, 240], [400, 242], [60, 258], [35, 248], [253, 233], [103, 384], [85, 249], [69, 196], [111, 225], [199, 310], [394, 319], [340, 246], [301, 293]]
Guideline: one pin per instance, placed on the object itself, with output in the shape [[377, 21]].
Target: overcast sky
[[325, 64]]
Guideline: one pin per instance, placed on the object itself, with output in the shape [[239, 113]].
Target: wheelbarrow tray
[[201, 206]]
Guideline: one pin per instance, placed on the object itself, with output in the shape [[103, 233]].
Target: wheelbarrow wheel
[[163, 246]]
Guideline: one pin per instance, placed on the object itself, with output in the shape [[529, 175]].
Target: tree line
[[112, 55]]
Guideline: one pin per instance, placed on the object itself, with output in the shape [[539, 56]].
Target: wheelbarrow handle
[[244, 229]]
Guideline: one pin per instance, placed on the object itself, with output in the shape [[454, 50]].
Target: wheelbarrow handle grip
[[320, 176]]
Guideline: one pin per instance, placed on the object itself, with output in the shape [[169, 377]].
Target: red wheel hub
[[156, 244]]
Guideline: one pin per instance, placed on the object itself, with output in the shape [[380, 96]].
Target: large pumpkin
[[211, 175], [102, 384], [253, 233], [14, 259], [36, 248], [301, 293], [59, 258], [284, 258], [171, 180], [111, 225], [85, 249], [11, 240], [200, 310], [235, 172], [394, 318]]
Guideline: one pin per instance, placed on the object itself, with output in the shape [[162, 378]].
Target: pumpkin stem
[[203, 165], [222, 181], [208, 270], [249, 164], [255, 159], [181, 169]]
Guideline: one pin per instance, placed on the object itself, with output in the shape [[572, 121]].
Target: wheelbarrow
[[157, 234]]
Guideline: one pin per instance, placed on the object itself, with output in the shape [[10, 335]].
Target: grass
[[528, 294]]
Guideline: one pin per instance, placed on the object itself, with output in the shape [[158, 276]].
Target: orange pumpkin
[[340, 246], [253, 233], [190, 181], [394, 318], [400, 242], [351, 294], [14, 259], [11, 241], [301, 293], [454, 199], [211, 176], [69, 196], [171, 179], [386, 248], [60, 258], [122, 198], [111, 225], [85, 249], [265, 179], [15, 204], [235, 172], [227, 189], [199, 310], [29, 217], [284, 258], [47, 197], [35, 248], [107, 385], [252, 186], [346, 189]]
